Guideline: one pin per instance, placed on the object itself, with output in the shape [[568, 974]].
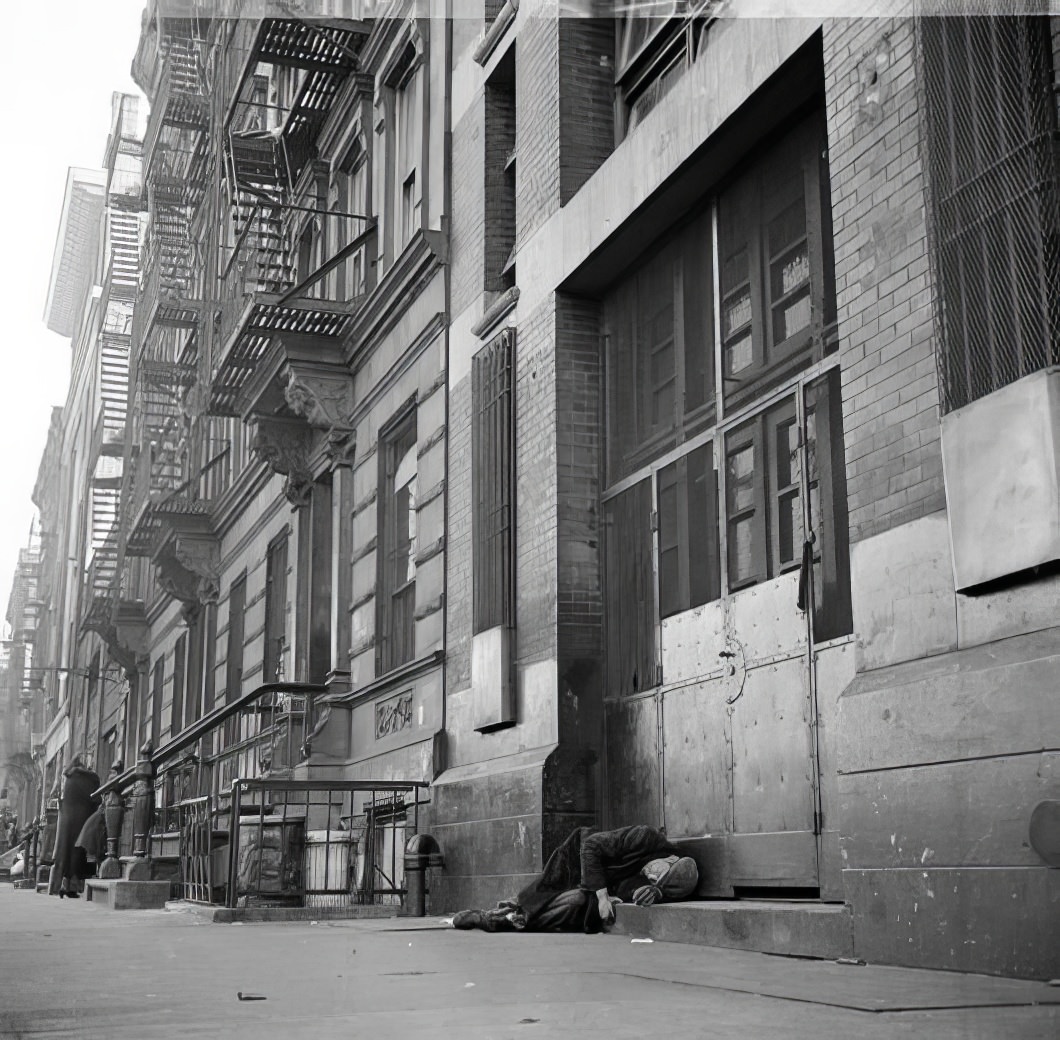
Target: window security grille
[[492, 463], [992, 147]]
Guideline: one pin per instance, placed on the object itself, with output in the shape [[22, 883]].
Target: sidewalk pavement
[[74, 970]]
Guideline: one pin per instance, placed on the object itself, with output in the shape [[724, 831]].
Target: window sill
[[495, 33], [496, 312]]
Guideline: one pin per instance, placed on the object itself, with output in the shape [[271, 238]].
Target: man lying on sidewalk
[[585, 876]]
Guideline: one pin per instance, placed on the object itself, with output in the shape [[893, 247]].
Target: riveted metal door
[[723, 749], [765, 690]]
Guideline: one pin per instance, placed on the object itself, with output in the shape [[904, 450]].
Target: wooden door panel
[[773, 763], [697, 762], [633, 761]]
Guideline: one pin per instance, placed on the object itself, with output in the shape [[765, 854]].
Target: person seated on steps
[[585, 877]]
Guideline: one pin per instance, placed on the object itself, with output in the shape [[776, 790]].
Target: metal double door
[[723, 750]]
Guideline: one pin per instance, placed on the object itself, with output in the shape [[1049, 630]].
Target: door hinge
[[818, 822], [654, 520]]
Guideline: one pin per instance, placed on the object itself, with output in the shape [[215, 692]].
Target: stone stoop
[[121, 894], [794, 929]]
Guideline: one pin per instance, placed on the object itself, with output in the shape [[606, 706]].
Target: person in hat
[[76, 804], [586, 876]]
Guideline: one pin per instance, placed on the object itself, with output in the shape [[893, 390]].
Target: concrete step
[[120, 894], [792, 928]]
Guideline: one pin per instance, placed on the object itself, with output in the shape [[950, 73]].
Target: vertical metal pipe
[[233, 843]]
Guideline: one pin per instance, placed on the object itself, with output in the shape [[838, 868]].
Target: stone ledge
[[119, 894], [822, 930], [276, 914]]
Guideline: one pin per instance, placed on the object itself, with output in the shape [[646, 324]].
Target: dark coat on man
[[76, 805], [93, 837], [590, 861]]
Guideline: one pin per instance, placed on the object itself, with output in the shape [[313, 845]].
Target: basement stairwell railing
[[237, 827]]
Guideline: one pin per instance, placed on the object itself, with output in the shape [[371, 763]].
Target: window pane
[[703, 541], [658, 328], [629, 596], [741, 479], [697, 289], [741, 552], [772, 282], [740, 491]]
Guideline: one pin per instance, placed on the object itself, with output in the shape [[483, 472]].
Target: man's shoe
[[468, 919]]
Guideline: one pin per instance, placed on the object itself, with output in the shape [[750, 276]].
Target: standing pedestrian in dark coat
[[76, 804]]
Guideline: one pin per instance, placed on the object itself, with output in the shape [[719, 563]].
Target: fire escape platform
[[250, 348]]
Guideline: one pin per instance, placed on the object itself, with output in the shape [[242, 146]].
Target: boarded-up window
[[493, 482], [689, 572], [993, 159], [630, 591], [396, 602]]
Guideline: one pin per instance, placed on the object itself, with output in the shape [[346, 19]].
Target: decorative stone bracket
[[188, 569], [284, 445], [124, 632], [322, 396]]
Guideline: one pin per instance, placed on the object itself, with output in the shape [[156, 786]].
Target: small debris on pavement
[[641, 940], [528, 1021], [850, 960], [468, 985], [251, 996]]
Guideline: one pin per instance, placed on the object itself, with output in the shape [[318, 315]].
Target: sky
[[62, 61]]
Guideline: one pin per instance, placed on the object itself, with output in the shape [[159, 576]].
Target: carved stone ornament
[[188, 570], [284, 445], [324, 400], [341, 447], [202, 557], [298, 490]]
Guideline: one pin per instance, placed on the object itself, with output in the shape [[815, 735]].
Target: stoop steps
[[791, 928], [131, 891]]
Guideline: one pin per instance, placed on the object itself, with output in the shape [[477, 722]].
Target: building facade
[[21, 708], [728, 351], [627, 420]]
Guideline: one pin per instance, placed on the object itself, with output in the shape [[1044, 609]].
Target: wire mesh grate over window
[[993, 156]]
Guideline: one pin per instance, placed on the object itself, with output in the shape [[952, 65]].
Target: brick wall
[[537, 176], [586, 99], [535, 492], [466, 246], [499, 199], [883, 278], [459, 583], [578, 465]]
